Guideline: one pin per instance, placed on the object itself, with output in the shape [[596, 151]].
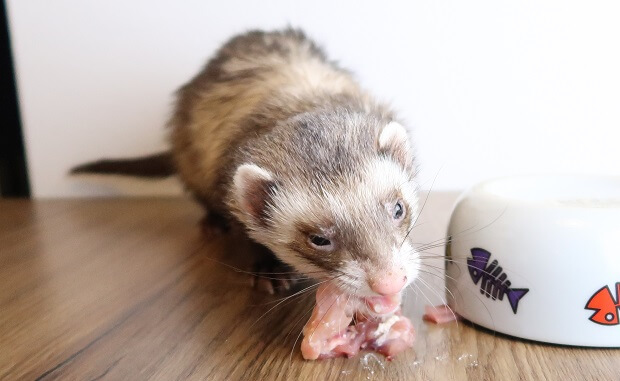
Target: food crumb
[[439, 314]]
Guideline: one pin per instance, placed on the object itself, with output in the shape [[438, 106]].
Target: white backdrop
[[491, 88]]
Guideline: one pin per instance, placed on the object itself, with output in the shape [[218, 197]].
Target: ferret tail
[[158, 165]]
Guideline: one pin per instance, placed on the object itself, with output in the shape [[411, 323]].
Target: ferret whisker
[[459, 291], [430, 271], [298, 320], [419, 224], [434, 270], [439, 276], [279, 303], [305, 290], [325, 314], [444, 240], [431, 246], [477, 295], [420, 292], [432, 290], [442, 275], [290, 359], [282, 300], [264, 275], [312, 333], [431, 255], [340, 317], [424, 263], [463, 262], [236, 269], [411, 178], [421, 210], [284, 273]]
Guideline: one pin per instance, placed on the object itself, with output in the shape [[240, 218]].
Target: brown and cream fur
[[254, 81], [274, 138]]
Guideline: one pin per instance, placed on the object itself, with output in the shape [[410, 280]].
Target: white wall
[[491, 88]]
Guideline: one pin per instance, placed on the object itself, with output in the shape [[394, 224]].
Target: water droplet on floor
[[370, 362], [472, 362]]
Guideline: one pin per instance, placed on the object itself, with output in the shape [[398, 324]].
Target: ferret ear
[[394, 141], [253, 189]]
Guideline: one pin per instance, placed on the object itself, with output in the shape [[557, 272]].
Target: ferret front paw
[[272, 276], [213, 224]]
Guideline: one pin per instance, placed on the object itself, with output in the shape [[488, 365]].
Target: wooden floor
[[131, 290]]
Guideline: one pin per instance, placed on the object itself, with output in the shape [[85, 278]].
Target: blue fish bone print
[[495, 283]]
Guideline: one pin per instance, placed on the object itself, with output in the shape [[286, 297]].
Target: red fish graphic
[[605, 305]]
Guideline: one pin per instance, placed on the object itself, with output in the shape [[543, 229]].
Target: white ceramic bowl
[[538, 257]]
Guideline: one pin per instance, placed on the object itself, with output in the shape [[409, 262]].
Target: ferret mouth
[[375, 304], [383, 305]]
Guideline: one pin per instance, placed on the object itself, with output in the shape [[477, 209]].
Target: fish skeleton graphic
[[605, 305], [494, 281]]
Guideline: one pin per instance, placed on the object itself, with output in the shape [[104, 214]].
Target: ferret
[[276, 139]]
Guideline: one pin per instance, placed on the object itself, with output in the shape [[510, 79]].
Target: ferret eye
[[399, 210], [319, 242]]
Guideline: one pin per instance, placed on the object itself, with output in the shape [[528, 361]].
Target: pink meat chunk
[[329, 332], [439, 314]]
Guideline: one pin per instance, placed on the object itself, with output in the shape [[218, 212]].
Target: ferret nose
[[388, 283]]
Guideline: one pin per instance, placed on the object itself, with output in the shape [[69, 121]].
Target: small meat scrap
[[336, 327], [439, 314]]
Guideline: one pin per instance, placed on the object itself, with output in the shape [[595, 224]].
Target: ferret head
[[334, 196]]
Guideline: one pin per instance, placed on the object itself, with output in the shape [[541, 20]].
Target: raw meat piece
[[327, 328], [388, 336], [439, 314], [329, 332]]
